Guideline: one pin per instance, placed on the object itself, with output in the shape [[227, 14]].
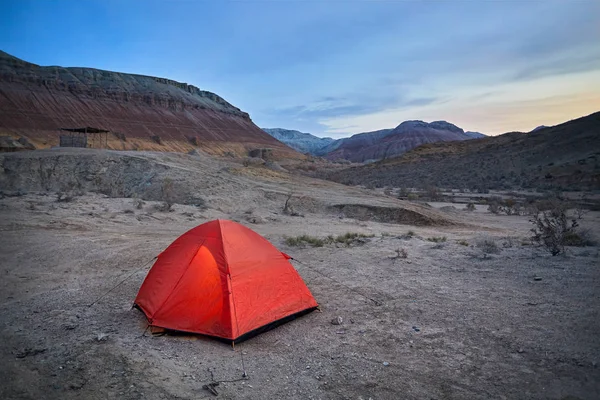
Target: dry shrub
[[554, 229], [400, 253], [167, 192], [403, 193], [496, 205], [347, 239], [487, 246], [437, 239], [304, 239], [138, 203]]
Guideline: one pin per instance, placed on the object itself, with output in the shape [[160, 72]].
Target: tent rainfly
[[224, 280]]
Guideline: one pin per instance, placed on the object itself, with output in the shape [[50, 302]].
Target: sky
[[338, 67]]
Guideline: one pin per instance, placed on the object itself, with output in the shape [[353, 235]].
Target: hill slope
[[565, 157], [303, 142], [36, 101]]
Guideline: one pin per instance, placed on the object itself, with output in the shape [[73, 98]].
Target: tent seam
[[232, 305], [179, 280]]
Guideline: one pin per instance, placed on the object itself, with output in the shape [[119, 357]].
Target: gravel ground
[[447, 322]]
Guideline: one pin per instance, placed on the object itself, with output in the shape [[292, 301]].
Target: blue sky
[[337, 67]]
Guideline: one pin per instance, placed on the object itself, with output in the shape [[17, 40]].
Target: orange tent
[[222, 279]]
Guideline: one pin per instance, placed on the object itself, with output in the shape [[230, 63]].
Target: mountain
[[475, 135], [303, 142], [538, 128], [562, 157], [142, 112], [352, 144], [387, 143]]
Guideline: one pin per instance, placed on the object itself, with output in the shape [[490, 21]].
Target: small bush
[[412, 197], [138, 203], [350, 237], [163, 207], [487, 246], [167, 192], [463, 242], [494, 204], [304, 239], [408, 235], [62, 197], [580, 238], [554, 229], [470, 207], [403, 193], [437, 239], [508, 242], [400, 253]]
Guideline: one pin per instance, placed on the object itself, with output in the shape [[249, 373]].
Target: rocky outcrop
[[35, 102]]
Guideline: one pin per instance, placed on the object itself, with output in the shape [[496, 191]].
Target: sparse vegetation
[[408, 235], [437, 239], [347, 239], [510, 206], [400, 253], [463, 242], [350, 237], [470, 207], [304, 239], [487, 246]]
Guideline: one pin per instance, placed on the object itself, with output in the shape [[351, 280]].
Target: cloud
[[327, 107], [566, 64]]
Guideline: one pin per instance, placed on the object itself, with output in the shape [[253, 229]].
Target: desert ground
[[448, 321]]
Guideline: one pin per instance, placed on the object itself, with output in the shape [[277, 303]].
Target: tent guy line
[[123, 281], [377, 303]]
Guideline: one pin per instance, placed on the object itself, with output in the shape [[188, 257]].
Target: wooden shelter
[[79, 137]]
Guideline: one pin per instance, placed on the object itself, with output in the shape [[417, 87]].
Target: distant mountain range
[[561, 157], [303, 142], [376, 145]]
